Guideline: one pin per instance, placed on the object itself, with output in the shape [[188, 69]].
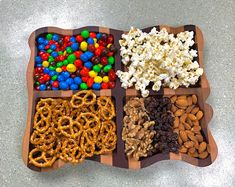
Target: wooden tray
[[117, 157]]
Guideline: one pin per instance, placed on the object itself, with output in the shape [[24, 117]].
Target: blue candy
[[46, 71], [60, 78], [69, 81], [39, 65], [54, 88], [74, 46], [65, 74], [98, 35], [90, 41], [42, 87], [96, 86], [53, 47], [46, 42], [84, 57], [41, 47], [55, 37], [41, 40], [51, 81], [88, 64], [63, 85], [77, 80], [72, 39], [38, 59], [52, 73], [54, 54], [73, 86], [89, 54]]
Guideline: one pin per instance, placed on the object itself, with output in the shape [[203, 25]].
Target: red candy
[[77, 54], [104, 61], [46, 77], [61, 58], [78, 63], [110, 54], [66, 39], [41, 80], [98, 51], [47, 47], [91, 47], [79, 38], [90, 82], [104, 85], [102, 43], [85, 79], [45, 56], [64, 68], [55, 84], [84, 72], [92, 35], [110, 39], [112, 75], [39, 70]]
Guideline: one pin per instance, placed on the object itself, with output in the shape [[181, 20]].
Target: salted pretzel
[[89, 121], [106, 107], [87, 142], [41, 158], [83, 98]]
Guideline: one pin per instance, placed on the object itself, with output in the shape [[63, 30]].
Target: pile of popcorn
[[158, 57]]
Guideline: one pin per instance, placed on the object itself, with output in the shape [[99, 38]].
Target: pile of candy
[[85, 61]]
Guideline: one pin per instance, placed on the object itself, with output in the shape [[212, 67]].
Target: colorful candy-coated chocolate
[[75, 62], [83, 86]]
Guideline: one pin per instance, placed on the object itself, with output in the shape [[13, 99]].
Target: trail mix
[[161, 125]]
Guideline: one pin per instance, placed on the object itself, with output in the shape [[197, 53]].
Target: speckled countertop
[[19, 19]]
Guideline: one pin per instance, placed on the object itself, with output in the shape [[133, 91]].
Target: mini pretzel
[[106, 107], [83, 98], [89, 121], [41, 158], [63, 106], [87, 142]]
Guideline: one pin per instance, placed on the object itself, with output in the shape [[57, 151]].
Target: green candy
[[83, 86], [37, 83], [96, 68], [85, 33], [52, 68], [59, 64], [71, 58], [65, 62], [111, 60], [107, 68], [51, 59], [60, 53], [49, 50], [49, 36], [54, 77], [69, 50]]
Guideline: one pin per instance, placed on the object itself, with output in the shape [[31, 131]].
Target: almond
[[183, 136], [183, 149], [190, 108], [190, 100], [194, 110], [202, 147], [173, 108], [189, 144], [182, 102], [196, 128], [199, 115], [199, 137], [176, 122], [179, 112], [192, 150], [203, 155], [194, 99], [186, 126], [173, 99], [192, 117], [183, 118]]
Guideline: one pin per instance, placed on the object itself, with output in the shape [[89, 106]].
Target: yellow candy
[[100, 65], [92, 74], [98, 79], [95, 40], [105, 79], [96, 45], [108, 46], [65, 52], [71, 68], [45, 64], [58, 70], [83, 46]]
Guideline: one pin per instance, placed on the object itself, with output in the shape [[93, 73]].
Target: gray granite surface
[[19, 18]]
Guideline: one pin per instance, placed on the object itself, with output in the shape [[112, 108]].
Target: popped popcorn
[[158, 57]]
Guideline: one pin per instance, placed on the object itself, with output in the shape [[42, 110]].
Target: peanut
[[183, 136], [199, 115], [194, 99], [202, 147]]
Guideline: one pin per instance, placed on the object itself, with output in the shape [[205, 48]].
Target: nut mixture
[[138, 130], [186, 124]]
